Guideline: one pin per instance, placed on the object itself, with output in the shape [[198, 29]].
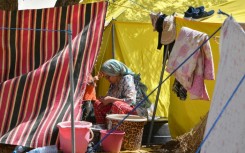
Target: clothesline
[[150, 11], [31, 29], [141, 6]]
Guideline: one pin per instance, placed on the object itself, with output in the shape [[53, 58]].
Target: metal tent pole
[[72, 88], [113, 38], [165, 55]]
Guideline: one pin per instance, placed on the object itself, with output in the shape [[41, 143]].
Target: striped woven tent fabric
[[34, 69]]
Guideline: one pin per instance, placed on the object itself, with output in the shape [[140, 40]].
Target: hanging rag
[[159, 28], [180, 91], [198, 67]]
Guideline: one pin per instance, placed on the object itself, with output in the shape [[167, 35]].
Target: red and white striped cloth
[[34, 69]]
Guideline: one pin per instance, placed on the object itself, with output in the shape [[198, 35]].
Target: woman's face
[[112, 79]]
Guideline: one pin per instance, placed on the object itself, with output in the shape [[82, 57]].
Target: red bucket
[[133, 127], [113, 142], [82, 136]]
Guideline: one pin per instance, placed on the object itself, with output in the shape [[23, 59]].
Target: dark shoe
[[189, 12], [202, 15], [199, 9]]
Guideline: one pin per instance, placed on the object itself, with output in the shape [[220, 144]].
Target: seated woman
[[124, 93]]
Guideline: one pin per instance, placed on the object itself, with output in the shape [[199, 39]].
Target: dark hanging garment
[[179, 90], [159, 29]]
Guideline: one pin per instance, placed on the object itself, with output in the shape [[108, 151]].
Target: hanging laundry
[[165, 26], [168, 30], [157, 23], [225, 125], [198, 67], [180, 91]]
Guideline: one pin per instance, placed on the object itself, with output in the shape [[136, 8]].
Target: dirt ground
[[152, 149]]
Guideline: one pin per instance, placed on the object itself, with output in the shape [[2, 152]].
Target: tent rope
[[141, 6], [221, 12], [31, 29], [129, 8]]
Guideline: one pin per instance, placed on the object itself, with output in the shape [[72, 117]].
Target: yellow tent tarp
[[135, 44]]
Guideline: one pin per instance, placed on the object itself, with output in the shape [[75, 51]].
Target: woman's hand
[[99, 75], [107, 100]]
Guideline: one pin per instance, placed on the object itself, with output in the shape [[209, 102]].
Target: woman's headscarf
[[114, 67]]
